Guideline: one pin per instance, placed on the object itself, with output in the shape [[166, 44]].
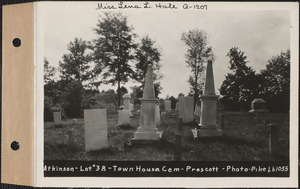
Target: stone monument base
[[197, 133], [147, 134]]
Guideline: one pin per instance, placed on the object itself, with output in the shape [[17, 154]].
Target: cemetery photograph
[[176, 85]]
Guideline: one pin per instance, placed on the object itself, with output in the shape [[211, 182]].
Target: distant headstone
[[157, 116], [258, 105], [186, 109], [95, 127], [126, 101], [163, 114], [74, 121], [176, 106], [167, 105], [69, 139], [273, 140], [57, 118], [124, 117], [127, 104]]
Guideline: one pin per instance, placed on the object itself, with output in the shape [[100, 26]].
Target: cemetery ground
[[245, 138]]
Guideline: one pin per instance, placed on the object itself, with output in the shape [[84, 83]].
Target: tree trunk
[[195, 89], [119, 94]]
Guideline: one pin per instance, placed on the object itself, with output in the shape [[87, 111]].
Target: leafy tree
[[49, 71], [239, 87], [197, 53], [73, 99], [276, 82], [49, 87], [113, 49], [76, 64], [76, 75], [148, 53]]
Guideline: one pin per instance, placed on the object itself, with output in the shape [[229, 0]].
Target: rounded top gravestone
[[258, 105]]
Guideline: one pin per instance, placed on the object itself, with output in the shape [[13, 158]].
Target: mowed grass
[[245, 138]]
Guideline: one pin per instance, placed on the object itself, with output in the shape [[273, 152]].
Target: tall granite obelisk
[[208, 119], [147, 129]]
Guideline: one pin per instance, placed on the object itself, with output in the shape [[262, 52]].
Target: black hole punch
[[16, 42], [15, 145]]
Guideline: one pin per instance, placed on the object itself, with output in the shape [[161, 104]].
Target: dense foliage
[[243, 85]]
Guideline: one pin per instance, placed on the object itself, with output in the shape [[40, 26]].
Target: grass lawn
[[245, 138]]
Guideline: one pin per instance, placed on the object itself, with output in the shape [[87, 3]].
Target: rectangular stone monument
[[57, 118], [124, 117], [186, 109], [95, 127], [167, 105], [157, 116]]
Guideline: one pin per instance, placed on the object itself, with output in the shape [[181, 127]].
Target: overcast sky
[[261, 34]]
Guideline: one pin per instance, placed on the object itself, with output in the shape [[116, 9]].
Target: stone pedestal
[[147, 129], [208, 120], [209, 110], [95, 127]]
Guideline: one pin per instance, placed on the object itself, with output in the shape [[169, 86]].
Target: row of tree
[[114, 57], [243, 85]]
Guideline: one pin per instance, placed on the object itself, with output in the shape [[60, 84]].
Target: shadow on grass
[[126, 127], [230, 140], [162, 144], [60, 151], [108, 150]]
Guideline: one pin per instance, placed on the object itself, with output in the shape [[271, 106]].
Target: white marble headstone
[[167, 105], [124, 117], [186, 109], [95, 127]]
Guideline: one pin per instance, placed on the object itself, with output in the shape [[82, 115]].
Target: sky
[[259, 33]]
